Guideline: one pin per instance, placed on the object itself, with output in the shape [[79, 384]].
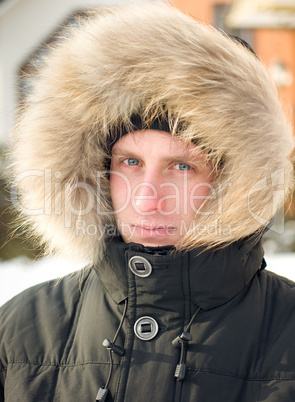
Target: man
[[168, 179], [156, 148]]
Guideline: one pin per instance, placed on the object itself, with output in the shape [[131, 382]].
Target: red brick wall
[[278, 45], [202, 10]]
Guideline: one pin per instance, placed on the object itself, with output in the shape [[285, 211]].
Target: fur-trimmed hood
[[150, 60]]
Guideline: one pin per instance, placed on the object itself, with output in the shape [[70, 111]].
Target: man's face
[[157, 185]]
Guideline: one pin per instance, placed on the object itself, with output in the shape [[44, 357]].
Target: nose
[[147, 198]]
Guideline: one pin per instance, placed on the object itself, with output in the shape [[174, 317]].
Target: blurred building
[[267, 25], [24, 26]]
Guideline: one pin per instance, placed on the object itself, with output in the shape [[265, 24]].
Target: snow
[[282, 264], [21, 273]]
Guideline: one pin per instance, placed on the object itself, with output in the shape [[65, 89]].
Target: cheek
[[120, 190]]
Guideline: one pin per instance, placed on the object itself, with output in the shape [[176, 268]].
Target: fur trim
[[149, 59]]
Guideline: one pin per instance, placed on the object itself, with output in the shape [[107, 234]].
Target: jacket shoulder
[[279, 284], [279, 292], [38, 298], [40, 315], [278, 345]]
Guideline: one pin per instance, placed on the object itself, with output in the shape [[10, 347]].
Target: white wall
[[24, 24]]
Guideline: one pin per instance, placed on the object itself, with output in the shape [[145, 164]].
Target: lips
[[155, 227], [154, 230]]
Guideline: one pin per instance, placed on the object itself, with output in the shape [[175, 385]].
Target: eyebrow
[[169, 158]]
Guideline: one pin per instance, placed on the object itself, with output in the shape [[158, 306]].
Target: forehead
[[156, 143]]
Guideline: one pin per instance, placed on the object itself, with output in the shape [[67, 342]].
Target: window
[[220, 12]]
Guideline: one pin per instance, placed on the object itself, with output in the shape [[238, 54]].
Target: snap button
[[140, 266], [146, 328]]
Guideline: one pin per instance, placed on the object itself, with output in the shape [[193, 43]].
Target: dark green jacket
[[241, 319]]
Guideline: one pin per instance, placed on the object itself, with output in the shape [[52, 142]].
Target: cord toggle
[[114, 348], [185, 337]]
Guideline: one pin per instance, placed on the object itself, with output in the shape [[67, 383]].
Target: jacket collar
[[214, 277]]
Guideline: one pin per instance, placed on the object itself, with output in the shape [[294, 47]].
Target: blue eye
[[182, 166], [131, 162]]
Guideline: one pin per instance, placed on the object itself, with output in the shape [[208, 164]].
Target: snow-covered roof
[[250, 14]]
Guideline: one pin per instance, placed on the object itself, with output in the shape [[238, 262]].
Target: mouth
[[154, 230]]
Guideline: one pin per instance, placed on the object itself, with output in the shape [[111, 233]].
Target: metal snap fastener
[[146, 328], [140, 266]]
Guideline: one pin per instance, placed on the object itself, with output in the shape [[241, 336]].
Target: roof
[[251, 14]]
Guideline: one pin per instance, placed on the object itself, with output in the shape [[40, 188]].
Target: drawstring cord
[[111, 347], [182, 342], [187, 328]]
